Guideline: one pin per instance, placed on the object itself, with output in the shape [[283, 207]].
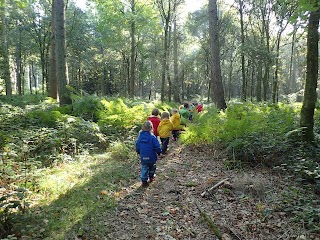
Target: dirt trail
[[167, 208]]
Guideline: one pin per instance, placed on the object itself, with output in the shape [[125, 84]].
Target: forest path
[[167, 208]]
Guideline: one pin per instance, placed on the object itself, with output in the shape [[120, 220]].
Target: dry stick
[[211, 224], [214, 187]]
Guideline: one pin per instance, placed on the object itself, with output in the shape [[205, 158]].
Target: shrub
[[121, 118], [88, 107], [249, 132], [44, 118], [119, 151]]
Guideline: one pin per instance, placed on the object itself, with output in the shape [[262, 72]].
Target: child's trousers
[[175, 134], [164, 143], [147, 171]]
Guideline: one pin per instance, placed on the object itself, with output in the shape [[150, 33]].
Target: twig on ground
[[214, 187]]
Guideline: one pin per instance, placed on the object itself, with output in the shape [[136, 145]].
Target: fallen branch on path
[[214, 187], [211, 224]]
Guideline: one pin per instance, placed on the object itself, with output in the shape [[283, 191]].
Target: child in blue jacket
[[148, 147]]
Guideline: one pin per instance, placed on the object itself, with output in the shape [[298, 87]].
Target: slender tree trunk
[[104, 80], [252, 81], [52, 81], [168, 68], [183, 86], [265, 82], [275, 80], [259, 81], [291, 79], [265, 30], [30, 78], [18, 64], [23, 72], [208, 76], [310, 94], [110, 85], [164, 61], [60, 40], [177, 87], [243, 69], [166, 18], [43, 69], [217, 87], [128, 75], [5, 49], [133, 50], [33, 78]]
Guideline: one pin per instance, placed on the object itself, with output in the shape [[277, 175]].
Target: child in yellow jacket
[[164, 130], [176, 121]]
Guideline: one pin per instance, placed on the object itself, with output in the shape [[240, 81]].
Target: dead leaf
[[104, 192]]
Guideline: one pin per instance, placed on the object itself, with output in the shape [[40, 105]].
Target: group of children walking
[[147, 144]]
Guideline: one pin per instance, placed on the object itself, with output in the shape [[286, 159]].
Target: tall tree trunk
[[275, 80], [291, 80], [208, 76], [168, 68], [110, 82], [5, 49], [43, 69], [252, 82], [166, 18], [310, 94], [183, 86], [164, 61], [275, 92], [104, 81], [18, 64], [60, 40], [133, 50], [216, 78], [52, 81], [33, 79], [177, 87], [243, 69], [30, 78], [265, 81], [265, 32], [259, 81]]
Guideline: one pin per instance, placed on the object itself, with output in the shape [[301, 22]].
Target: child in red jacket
[[155, 120]]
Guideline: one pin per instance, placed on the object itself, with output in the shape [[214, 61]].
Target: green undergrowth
[[51, 172], [250, 132], [267, 134]]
